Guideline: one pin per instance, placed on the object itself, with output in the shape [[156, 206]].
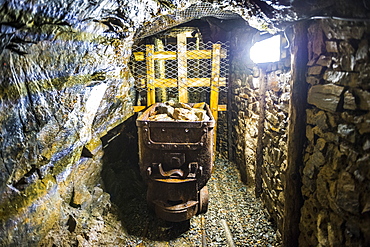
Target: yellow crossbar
[[172, 55]]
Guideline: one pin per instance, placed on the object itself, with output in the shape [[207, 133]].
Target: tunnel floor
[[127, 222]]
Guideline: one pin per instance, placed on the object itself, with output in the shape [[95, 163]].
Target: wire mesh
[[192, 71]]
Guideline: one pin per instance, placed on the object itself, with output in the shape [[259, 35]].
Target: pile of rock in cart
[[171, 111]]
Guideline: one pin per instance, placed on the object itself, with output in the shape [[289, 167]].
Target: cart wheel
[[203, 200]]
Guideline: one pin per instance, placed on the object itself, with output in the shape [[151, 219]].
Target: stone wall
[[244, 104], [336, 173], [275, 138], [245, 122], [64, 84], [246, 97]]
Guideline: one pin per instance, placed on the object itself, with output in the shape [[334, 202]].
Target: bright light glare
[[266, 51]]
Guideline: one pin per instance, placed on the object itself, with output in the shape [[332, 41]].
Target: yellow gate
[[183, 65]]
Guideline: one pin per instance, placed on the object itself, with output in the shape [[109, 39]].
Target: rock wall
[[247, 91], [64, 84], [275, 138], [245, 122], [244, 104], [335, 177]]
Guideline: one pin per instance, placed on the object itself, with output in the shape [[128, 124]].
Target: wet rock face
[[64, 83], [335, 178]]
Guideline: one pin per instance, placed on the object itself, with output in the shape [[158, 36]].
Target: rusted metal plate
[[176, 160]]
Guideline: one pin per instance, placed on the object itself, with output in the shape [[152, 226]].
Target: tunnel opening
[[217, 30], [208, 29]]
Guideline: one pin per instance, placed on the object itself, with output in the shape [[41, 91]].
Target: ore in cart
[[176, 160]]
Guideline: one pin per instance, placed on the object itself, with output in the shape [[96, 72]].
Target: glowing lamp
[[266, 51]]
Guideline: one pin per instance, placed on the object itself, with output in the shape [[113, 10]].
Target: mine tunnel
[[284, 90]]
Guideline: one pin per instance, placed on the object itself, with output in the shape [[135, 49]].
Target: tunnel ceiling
[[264, 15], [146, 17]]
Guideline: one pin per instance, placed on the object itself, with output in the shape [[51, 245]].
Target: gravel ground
[[235, 203], [231, 202], [127, 222]]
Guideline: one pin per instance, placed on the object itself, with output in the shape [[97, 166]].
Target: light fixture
[[266, 51]]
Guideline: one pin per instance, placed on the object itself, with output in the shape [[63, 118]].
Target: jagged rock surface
[[64, 84], [335, 178]]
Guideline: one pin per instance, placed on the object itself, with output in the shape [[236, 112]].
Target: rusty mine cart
[[176, 160]]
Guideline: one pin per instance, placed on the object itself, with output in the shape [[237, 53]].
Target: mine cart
[[176, 162]]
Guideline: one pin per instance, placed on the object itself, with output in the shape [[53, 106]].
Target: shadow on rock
[[122, 180]]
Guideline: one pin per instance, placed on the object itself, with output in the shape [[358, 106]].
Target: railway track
[[234, 218]]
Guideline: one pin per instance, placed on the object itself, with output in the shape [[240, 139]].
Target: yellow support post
[[182, 67], [215, 78], [150, 75], [161, 69]]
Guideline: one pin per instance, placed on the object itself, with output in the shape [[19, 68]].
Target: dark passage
[[123, 182]]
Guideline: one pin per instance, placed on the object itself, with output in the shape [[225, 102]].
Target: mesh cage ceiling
[[195, 11]]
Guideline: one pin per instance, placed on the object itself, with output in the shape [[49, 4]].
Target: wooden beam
[[172, 55], [215, 76], [296, 137], [182, 68], [139, 56], [165, 82], [215, 79], [164, 55], [161, 69], [191, 82], [150, 75], [204, 54], [222, 107]]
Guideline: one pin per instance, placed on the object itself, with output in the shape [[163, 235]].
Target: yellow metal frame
[[182, 82], [150, 75], [215, 77], [183, 64]]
